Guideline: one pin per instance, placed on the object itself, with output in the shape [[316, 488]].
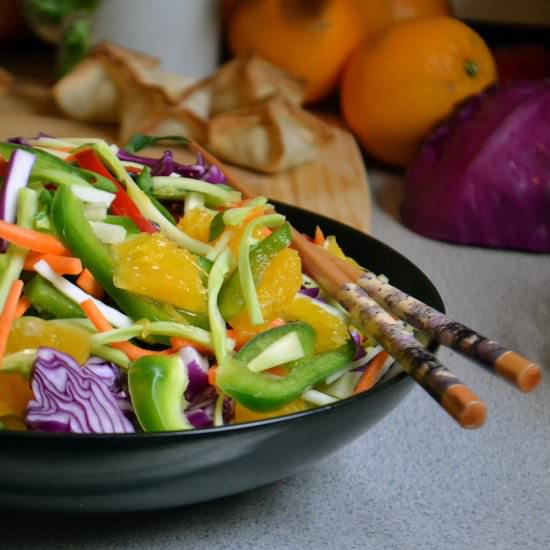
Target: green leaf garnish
[[140, 141]]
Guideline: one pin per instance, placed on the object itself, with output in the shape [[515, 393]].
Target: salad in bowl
[[140, 294]]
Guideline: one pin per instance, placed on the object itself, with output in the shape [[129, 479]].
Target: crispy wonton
[[273, 136]]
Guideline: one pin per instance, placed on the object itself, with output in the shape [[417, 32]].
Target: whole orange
[[378, 15], [310, 39], [397, 87]]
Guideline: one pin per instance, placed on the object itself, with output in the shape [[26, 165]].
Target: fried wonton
[[88, 93], [270, 137], [144, 70], [94, 90], [249, 80]]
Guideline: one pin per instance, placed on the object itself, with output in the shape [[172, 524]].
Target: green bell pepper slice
[[263, 392], [76, 233], [48, 301], [157, 384]]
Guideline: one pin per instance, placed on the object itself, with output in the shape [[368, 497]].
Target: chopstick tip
[[465, 406], [521, 372]]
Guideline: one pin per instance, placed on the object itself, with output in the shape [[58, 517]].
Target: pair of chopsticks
[[382, 311]]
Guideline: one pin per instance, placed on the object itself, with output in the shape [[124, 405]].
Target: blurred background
[[254, 80]]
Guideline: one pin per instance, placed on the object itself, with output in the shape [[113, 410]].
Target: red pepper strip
[[123, 204]]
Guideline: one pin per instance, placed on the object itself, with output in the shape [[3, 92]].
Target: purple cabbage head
[[483, 176], [73, 399]]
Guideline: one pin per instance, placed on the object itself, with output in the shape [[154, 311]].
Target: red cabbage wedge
[[483, 177]]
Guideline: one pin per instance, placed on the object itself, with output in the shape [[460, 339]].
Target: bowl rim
[[215, 431]]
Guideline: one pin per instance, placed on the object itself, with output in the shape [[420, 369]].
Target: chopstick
[[367, 298], [516, 369], [455, 398]]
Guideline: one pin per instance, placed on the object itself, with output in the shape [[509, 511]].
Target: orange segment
[[281, 281], [332, 246], [32, 332], [153, 266], [15, 393], [332, 331], [196, 223], [242, 414]]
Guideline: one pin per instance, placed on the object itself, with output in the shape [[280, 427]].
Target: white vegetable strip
[[93, 195], [95, 212], [318, 398], [218, 411], [345, 385], [76, 294], [19, 171], [109, 233], [193, 200]]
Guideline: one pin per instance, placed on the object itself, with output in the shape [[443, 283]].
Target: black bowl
[[104, 473]]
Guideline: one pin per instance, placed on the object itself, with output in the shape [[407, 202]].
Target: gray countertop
[[415, 480]]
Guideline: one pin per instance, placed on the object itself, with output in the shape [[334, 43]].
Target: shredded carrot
[[33, 240], [212, 371], [266, 231], [63, 265], [22, 305], [369, 376], [319, 238], [94, 314], [88, 283], [277, 371], [133, 169], [277, 322], [178, 343], [102, 325], [8, 314]]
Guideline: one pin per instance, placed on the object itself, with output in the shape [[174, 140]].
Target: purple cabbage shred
[[200, 411], [69, 398], [19, 140], [166, 165]]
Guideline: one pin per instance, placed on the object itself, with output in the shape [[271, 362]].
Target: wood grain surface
[[335, 185]]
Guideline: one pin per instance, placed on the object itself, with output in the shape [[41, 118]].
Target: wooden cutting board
[[335, 185]]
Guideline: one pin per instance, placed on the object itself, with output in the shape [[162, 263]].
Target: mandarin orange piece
[[196, 223], [153, 266], [280, 282], [331, 330], [15, 393], [32, 332], [242, 414]]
